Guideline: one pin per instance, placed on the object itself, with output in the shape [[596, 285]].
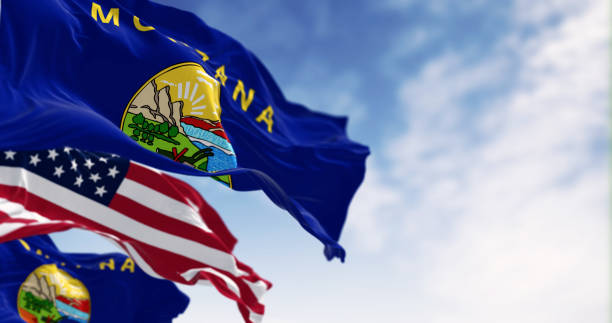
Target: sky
[[486, 197]]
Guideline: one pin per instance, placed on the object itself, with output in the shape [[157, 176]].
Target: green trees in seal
[[149, 131]]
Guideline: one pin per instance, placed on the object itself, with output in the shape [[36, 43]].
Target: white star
[[112, 172], [114, 155], [88, 163], [58, 171], [74, 165], [102, 159], [94, 177], [79, 181], [67, 150], [9, 155], [34, 160], [100, 190], [52, 154]]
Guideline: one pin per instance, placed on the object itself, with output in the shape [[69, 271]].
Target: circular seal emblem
[[50, 294], [177, 113]]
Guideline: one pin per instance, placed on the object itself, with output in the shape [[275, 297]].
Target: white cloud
[[317, 86], [436, 7], [508, 219], [526, 11], [375, 205]]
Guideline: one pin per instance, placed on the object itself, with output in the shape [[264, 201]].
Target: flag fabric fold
[[156, 85], [39, 283], [165, 226]]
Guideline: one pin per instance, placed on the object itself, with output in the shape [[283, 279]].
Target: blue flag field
[[40, 284], [156, 85]]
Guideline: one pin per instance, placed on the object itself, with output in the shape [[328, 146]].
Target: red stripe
[[165, 263], [151, 179], [208, 213], [52, 211], [182, 192], [5, 218], [34, 229], [159, 259], [162, 222], [213, 127]]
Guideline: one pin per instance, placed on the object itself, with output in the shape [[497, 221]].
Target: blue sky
[[486, 196]]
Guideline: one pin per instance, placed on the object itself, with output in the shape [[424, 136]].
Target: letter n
[[110, 264], [244, 100]]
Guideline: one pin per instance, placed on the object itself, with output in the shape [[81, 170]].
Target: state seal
[[177, 113]]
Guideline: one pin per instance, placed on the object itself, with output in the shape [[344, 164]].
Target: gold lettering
[[140, 27], [266, 116], [201, 53], [128, 264], [110, 264], [172, 39], [96, 11], [220, 74], [245, 103], [25, 245]]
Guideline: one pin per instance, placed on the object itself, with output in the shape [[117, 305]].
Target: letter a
[[128, 264], [266, 116]]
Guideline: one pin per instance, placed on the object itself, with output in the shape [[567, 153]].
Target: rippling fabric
[[76, 73], [39, 283]]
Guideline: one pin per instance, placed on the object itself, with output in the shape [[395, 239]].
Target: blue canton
[[96, 176]]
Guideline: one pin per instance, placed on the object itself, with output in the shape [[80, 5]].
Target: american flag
[[161, 222]]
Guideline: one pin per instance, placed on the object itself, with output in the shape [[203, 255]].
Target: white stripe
[[210, 144], [162, 203], [204, 81], [199, 108], [198, 99], [169, 83], [195, 89], [197, 113], [180, 90], [187, 89], [210, 78], [7, 228], [255, 287], [254, 317], [105, 216], [17, 211], [191, 273], [10, 227], [258, 288]]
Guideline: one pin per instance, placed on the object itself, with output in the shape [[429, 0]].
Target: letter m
[[96, 11]]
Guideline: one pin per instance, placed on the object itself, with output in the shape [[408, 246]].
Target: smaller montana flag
[[40, 284]]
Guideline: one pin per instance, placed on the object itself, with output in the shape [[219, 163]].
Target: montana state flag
[[156, 85], [40, 284]]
